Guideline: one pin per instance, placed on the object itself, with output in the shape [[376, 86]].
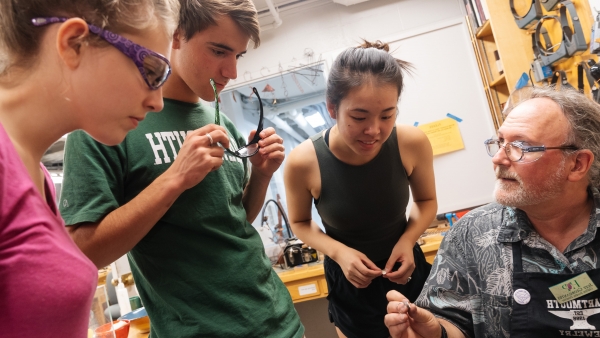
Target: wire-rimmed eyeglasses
[[519, 151], [252, 147]]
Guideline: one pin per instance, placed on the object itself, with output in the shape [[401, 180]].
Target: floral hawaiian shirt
[[470, 283]]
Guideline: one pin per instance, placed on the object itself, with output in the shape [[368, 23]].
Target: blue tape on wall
[[458, 119], [416, 124], [523, 81]]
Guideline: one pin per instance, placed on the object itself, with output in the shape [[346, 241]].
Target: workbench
[[307, 282]]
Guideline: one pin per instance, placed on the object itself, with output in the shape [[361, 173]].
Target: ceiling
[[262, 8]]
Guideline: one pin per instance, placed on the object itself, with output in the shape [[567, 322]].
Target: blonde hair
[[20, 40]]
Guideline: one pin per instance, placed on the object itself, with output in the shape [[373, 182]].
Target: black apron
[[536, 313]]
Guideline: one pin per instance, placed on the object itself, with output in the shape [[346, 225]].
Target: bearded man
[[526, 265]]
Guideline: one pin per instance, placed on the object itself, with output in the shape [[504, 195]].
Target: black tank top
[[363, 206]]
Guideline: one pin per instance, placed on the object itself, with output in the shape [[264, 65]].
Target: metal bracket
[[532, 17]]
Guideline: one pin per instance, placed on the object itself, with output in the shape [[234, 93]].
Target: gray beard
[[517, 194]]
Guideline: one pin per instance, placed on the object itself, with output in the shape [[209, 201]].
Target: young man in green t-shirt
[[182, 210]]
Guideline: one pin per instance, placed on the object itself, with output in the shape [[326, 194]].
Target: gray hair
[[582, 113], [20, 40]]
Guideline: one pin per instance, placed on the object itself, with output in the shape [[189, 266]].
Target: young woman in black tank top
[[358, 173]]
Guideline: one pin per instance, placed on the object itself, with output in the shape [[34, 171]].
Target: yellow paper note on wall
[[444, 136]]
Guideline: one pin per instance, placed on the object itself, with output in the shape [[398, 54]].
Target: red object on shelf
[[106, 331], [461, 213]]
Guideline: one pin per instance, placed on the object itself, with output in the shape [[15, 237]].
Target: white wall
[[595, 6], [330, 27]]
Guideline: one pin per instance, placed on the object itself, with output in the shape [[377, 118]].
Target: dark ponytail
[[371, 61]]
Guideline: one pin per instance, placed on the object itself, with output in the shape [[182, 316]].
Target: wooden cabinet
[[430, 247], [501, 34], [305, 282]]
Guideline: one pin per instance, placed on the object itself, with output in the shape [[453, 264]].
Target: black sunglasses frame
[[242, 152]]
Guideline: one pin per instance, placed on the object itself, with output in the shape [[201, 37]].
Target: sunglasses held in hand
[[251, 148]]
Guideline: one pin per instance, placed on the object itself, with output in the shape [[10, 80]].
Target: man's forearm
[[118, 232], [254, 195]]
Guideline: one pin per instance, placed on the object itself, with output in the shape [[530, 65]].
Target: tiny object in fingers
[[407, 304], [383, 272]]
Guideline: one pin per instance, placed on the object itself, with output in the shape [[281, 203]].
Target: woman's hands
[[358, 269], [403, 253]]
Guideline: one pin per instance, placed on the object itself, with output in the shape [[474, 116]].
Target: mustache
[[504, 173]]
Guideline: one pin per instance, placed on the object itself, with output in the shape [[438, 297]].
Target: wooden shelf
[[305, 282], [484, 30], [498, 81], [500, 36], [513, 45]]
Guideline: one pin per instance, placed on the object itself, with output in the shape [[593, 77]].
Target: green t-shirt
[[202, 270]]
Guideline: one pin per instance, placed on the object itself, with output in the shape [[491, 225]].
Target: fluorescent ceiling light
[[315, 120]]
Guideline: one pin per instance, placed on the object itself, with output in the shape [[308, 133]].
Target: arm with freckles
[[417, 158], [117, 231], [301, 176]]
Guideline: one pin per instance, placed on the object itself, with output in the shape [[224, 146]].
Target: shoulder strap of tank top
[[394, 137], [319, 143]]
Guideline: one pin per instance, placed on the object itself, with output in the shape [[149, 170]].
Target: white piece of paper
[[307, 289]]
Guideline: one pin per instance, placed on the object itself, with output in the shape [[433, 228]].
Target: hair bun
[[377, 44]]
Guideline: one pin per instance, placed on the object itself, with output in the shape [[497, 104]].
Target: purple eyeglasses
[[155, 68]]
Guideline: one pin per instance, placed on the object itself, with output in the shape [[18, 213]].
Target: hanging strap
[[564, 83], [584, 67], [517, 257], [554, 78], [580, 77]]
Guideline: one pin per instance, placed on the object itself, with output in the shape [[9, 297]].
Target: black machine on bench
[[295, 251]]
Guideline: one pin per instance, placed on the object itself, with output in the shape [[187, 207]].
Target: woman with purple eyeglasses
[[94, 65]]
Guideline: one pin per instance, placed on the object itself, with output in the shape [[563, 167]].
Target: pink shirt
[[46, 282]]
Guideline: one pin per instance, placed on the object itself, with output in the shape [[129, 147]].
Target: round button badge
[[522, 296]]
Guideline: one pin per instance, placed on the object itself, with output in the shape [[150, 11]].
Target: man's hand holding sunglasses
[[270, 154], [198, 156]]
